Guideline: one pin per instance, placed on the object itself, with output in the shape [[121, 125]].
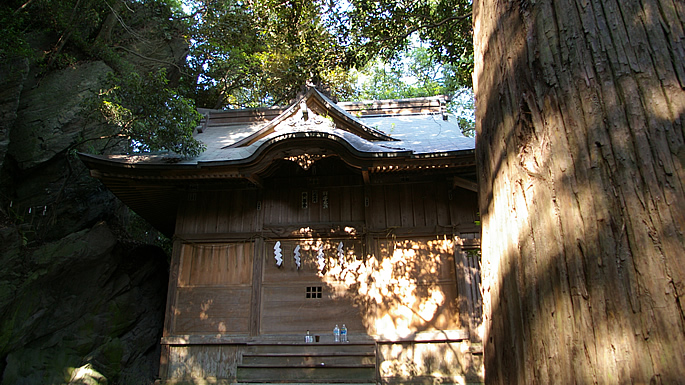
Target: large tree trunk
[[580, 109]]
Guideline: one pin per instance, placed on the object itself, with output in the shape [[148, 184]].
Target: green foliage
[[223, 42], [462, 105], [141, 231], [473, 253], [69, 25], [242, 54], [149, 114], [261, 53], [305, 50], [417, 73], [12, 38], [384, 28]]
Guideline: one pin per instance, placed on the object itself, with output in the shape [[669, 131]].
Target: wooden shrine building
[[303, 218]]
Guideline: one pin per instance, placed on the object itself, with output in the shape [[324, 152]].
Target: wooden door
[[314, 296]]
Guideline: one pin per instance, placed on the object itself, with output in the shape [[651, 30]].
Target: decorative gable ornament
[[305, 120], [314, 113], [305, 160]]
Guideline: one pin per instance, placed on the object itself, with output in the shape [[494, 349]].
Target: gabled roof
[[410, 129], [374, 137], [314, 112]]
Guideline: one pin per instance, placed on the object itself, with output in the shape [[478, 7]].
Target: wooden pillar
[[256, 301], [468, 287], [170, 314]]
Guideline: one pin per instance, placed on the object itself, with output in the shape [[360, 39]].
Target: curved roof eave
[[374, 151]]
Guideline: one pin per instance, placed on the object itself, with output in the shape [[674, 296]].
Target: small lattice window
[[305, 200], [314, 292]]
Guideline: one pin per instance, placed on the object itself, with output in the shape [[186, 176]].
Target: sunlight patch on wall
[[402, 283], [430, 362]]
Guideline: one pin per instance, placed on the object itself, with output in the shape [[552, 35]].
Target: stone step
[[312, 348], [308, 363], [307, 374], [292, 359], [302, 383]]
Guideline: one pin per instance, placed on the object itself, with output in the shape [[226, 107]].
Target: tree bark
[[580, 146]]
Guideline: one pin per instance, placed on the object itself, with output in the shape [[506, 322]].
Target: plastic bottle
[[336, 334], [343, 334], [308, 337]]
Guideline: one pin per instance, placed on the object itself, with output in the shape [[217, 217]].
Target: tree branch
[[26, 4], [200, 10], [153, 59], [409, 31], [65, 35]]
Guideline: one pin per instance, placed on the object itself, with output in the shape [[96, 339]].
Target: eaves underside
[[154, 192], [102, 168]]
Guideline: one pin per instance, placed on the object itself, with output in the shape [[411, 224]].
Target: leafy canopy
[[140, 101], [242, 53], [263, 52], [149, 121], [256, 53], [385, 28]]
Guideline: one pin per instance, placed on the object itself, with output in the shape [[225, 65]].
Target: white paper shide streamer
[[341, 254], [319, 258], [278, 255], [298, 261]]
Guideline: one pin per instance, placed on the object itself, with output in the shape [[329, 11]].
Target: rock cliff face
[[47, 118], [81, 300], [85, 301], [14, 72]]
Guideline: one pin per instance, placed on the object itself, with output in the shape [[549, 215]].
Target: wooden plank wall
[[202, 361], [417, 207], [213, 264], [218, 292], [404, 286], [475, 310], [215, 289], [417, 278], [219, 212], [471, 297], [420, 207], [398, 278], [283, 206], [285, 308]]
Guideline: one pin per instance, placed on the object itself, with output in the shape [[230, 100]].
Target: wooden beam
[[255, 179], [365, 175], [465, 184]]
